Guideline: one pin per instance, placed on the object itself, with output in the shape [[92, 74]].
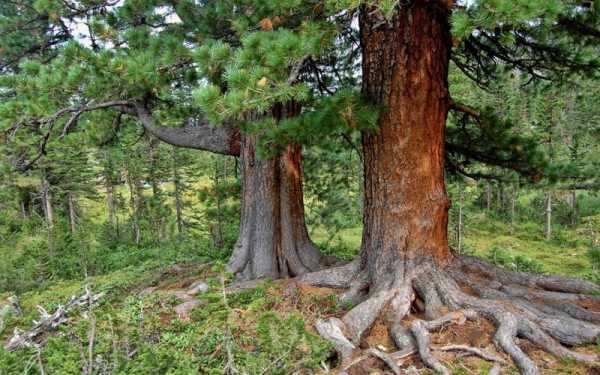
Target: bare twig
[[296, 69], [50, 121], [92, 333], [38, 354], [229, 368], [387, 359], [48, 323]]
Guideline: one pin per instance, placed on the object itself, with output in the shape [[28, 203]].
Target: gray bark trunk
[[24, 213], [153, 150], [513, 203], [46, 196], [500, 196], [217, 228], [110, 205], [574, 208], [72, 211], [177, 192], [488, 196], [134, 207], [548, 216], [273, 240]]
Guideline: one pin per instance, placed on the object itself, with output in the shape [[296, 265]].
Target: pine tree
[[405, 251], [136, 61], [277, 74]]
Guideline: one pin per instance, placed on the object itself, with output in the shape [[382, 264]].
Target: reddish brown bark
[[273, 240], [405, 262], [405, 68]]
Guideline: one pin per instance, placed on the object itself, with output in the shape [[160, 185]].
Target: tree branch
[[224, 139], [474, 175], [459, 107], [491, 160]]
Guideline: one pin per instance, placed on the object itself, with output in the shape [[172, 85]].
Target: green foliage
[[344, 114], [593, 251], [243, 61], [221, 207], [593, 254], [519, 263], [141, 334]]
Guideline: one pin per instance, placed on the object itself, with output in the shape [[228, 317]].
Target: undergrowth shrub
[[141, 334], [519, 263], [338, 249]]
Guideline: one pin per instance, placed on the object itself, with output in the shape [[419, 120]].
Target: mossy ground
[[263, 330]]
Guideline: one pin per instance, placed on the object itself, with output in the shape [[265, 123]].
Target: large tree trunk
[[405, 262], [273, 240], [406, 206]]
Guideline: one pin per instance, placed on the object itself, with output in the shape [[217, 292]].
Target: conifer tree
[[134, 60], [406, 52], [275, 74]]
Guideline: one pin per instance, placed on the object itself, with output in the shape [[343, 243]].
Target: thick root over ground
[[553, 313]]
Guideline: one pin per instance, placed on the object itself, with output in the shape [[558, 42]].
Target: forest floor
[[160, 318]]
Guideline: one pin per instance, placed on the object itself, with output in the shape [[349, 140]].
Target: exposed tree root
[[421, 328], [549, 311]]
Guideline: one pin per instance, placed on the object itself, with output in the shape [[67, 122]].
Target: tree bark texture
[[405, 68], [574, 208], [405, 262], [273, 240]]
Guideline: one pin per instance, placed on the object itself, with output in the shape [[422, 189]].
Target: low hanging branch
[[491, 159], [50, 121], [458, 168], [223, 139], [36, 336]]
